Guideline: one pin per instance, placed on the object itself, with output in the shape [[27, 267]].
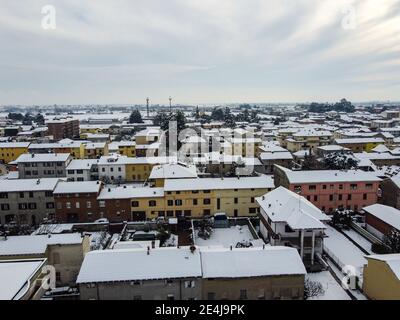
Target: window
[[353, 186], [178, 202], [48, 194], [152, 203], [187, 213], [170, 203], [340, 197], [71, 171], [315, 198], [340, 187], [364, 196], [368, 186], [102, 204], [195, 191], [88, 204], [235, 200], [170, 213], [349, 197], [190, 284], [331, 197], [4, 195], [21, 195], [135, 204], [206, 191], [5, 206], [312, 187], [324, 187], [252, 200], [206, 201], [68, 205], [297, 189], [49, 205], [32, 206], [77, 205], [195, 202]]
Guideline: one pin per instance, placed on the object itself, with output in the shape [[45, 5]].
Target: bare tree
[[312, 289]]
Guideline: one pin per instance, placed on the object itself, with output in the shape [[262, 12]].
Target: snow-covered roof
[[276, 155], [392, 260], [171, 170], [43, 157], [35, 244], [359, 140], [396, 180], [129, 192], [14, 145], [137, 264], [251, 262], [81, 164], [259, 182], [333, 147], [283, 205], [77, 187], [326, 176], [387, 214], [381, 148], [272, 147], [15, 276], [20, 185]]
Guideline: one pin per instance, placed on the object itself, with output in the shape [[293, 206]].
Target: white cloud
[[198, 50]]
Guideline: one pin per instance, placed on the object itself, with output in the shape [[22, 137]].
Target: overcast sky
[[199, 51]]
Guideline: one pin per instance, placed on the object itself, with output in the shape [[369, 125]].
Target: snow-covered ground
[[226, 237], [333, 291], [344, 250], [359, 239]]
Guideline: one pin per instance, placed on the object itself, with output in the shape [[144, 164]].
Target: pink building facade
[[330, 190]]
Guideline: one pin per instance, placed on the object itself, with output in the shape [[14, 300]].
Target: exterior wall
[[276, 287], [115, 210], [76, 152], [376, 226], [11, 154], [380, 283], [112, 172], [390, 194], [48, 169], [95, 153], [188, 207], [41, 206], [276, 234], [142, 290], [80, 175], [269, 164], [360, 147], [144, 211], [65, 129], [129, 151], [67, 259], [80, 207], [138, 172], [307, 143], [345, 197]]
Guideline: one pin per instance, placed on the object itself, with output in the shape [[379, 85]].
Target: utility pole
[[147, 103], [170, 104]]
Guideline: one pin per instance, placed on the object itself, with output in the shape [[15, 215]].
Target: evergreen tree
[[229, 119], [39, 119], [135, 117]]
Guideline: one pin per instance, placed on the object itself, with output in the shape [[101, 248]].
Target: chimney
[[231, 248], [153, 244], [109, 189], [148, 250]]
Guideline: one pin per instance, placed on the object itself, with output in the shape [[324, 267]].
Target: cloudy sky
[[199, 51]]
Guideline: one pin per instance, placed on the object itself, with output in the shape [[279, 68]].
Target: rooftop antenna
[[147, 104], [170, 104]]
